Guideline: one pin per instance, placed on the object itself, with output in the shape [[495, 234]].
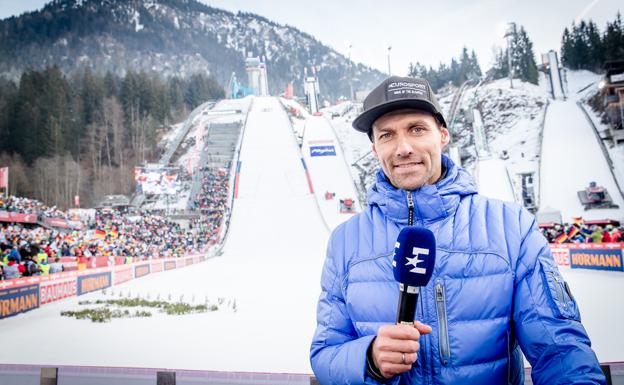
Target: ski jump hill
[[266, 277]]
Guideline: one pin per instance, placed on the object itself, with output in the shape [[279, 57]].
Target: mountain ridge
[[171, 37]]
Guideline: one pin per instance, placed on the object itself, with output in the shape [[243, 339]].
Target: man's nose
[[404, 147]]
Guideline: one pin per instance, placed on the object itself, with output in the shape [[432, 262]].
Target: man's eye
[[385, 135], [417, 130]]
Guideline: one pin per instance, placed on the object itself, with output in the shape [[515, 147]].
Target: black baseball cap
[[397, 93]]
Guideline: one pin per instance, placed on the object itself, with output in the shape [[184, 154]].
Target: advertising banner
[[561, 255], [156, 266], [94, 282], [58, 223], [170, 265], [18, 300], [4, 178], [596, 259], [322, 151], [122, 273], [6, 216], [69, 263], [141, 270], [51, 291], [157, 180]]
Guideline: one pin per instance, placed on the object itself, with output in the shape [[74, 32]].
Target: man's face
[[408, 144]]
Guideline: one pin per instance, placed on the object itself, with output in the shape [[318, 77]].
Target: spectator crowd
[[580, 232], [22, 205], [30, 249]]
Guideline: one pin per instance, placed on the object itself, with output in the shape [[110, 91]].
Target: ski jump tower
[[257, 76], [311, 88], [556, 79]]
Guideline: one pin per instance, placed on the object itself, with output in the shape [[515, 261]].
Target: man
[[495, 288]]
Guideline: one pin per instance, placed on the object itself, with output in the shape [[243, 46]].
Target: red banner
[[590, 246], [156, 266], [6, 216], [561, 255], [122, 274], [4, 178], [57, 290]]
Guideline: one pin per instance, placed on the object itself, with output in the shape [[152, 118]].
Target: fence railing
[[91, 375]]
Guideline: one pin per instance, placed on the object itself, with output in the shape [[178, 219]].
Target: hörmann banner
[[94, 282], [596, 259], [18, 300]]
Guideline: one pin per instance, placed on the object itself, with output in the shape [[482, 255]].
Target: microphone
[[414, 259]]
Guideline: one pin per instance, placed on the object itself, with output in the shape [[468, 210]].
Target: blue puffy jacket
[[495, 289]]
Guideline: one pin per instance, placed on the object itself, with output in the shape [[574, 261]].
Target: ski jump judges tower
[[257, 76]]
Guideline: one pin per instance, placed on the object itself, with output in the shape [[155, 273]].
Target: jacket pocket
[[562, 302], [443, 334]]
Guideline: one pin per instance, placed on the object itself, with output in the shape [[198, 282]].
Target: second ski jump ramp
[[571, 159]]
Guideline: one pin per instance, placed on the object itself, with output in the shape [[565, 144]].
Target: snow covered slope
[[270, 267], [493, 179], [571, 159]]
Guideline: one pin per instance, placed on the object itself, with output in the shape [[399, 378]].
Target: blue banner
[[18, 300], [596, 259], [93, 282], [322, 151]]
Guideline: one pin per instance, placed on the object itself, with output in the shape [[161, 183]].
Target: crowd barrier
[[594, 256], [28, 293], [92, 375]]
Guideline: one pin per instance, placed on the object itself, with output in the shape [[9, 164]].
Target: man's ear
[[446, 136]]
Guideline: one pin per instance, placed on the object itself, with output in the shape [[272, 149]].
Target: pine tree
[[613, 40], [474, 64], [596, 48], [567, 55], [527, 68]]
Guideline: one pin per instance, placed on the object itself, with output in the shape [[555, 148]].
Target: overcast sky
[[428, 32]]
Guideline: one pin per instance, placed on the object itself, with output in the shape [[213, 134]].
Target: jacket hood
[[431, 202]]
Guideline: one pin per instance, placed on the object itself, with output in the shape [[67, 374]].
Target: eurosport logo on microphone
[[415, 260]]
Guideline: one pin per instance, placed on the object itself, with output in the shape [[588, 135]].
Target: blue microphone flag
[[414, 256]]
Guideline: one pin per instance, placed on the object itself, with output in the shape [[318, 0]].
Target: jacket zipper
[[445, 349], [559, 290], [410, 209]]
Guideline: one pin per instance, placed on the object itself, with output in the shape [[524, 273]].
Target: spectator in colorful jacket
[[12, 269], [56, 266], [596, 235], [616, 235], [495, 292]]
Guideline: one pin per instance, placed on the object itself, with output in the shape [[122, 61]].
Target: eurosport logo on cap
[[406, 88]]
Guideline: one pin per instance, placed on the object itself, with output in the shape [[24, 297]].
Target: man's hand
[[395, 347]]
